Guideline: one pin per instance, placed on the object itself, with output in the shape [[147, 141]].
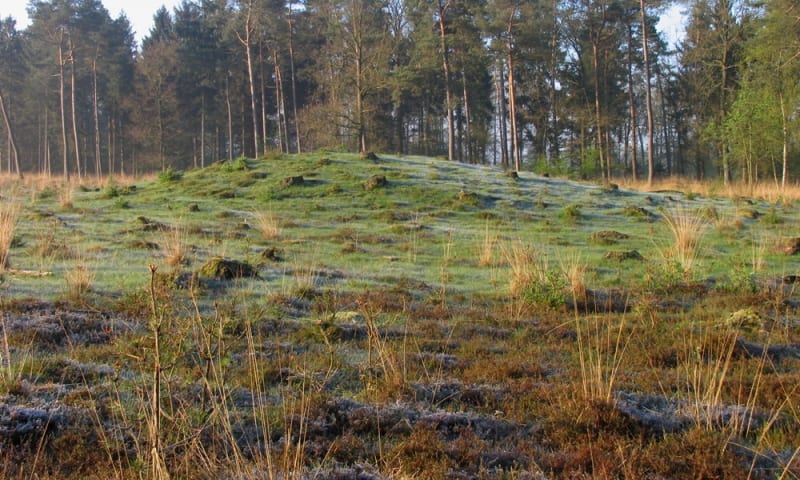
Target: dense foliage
[[585, 87]]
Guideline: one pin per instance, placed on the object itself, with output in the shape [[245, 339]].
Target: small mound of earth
[[792, 246], [294, 181], [608, 237], [622, 255], [220, 268], [375, 181]]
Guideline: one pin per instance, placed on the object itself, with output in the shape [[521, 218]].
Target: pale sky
[[139, 12]]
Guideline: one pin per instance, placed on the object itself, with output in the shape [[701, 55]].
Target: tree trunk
[[78, 165], [283, 135], [501, 118], [12, 141], [362, 133], [632, 101], [263, 93], [447, 90], [293, 80], [203, 132], [98, 170], [597, 111], [64, 145], [555, 146], [785, 156], [230, 117], [467, 120], [512, 107], [648, 96], [246, 43]]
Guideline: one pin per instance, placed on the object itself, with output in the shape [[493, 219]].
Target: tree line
[[582, 87]]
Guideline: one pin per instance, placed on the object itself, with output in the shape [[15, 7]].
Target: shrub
[[571, 213], [237, 165], [170, 175]]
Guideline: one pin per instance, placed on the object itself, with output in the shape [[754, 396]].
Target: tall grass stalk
[[11, 369], [486, 255], [706, 366], [158, 467], [444, 270], [601, 349], [260, 411], [574, 268], [9, 213]]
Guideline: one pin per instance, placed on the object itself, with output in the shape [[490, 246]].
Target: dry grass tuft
[[486, 255], [65, 196], [79, 280], [574, 268], [526, 266], [601, 348], [9, 213], [687, 229], [267, 224], [173, 245]]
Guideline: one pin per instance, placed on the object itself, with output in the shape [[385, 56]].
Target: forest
[[585, 88]]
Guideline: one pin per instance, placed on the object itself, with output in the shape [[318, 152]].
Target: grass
[[267, 225], [9, 213], [687, 229], [418, 330]]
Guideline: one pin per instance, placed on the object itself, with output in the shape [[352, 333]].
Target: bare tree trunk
[[161, 156], [12, 141], [785, 156], [95, 114], [598, 117], [512, 107], [47, 165], [230, 117], [555, 147], [467, 119], [293, 80], [72, 105], [501, 103], [648, 96], [362, 131], [246, 43], [64, 145], [203, 133], [263, 92], [632, 101], [447, 90], [283, 136]]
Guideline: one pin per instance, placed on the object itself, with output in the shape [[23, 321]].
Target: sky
[[140, 14]]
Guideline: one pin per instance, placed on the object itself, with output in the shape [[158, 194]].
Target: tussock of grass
[[687, 229], [267, 224], [9, 213]]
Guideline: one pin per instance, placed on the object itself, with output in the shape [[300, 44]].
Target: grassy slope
[[406, 256], [398, 231]]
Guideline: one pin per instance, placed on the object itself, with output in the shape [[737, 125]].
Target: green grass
[[397, 325]]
